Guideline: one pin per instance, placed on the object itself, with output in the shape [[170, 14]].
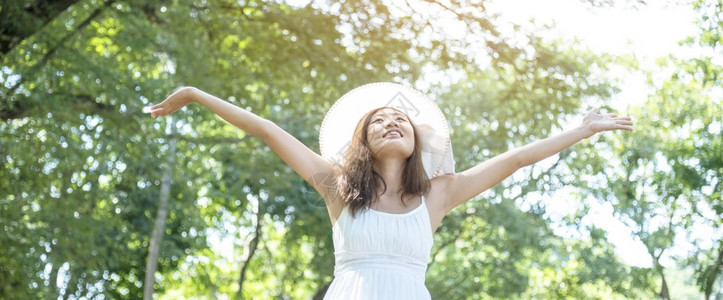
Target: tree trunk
[[321, 292], [53, 293], [160, 223], [252, 246], [711, 274], [664, 294]]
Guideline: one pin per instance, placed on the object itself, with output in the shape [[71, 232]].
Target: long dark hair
[[360, 185]]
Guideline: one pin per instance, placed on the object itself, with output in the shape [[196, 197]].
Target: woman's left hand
[[603, 122]]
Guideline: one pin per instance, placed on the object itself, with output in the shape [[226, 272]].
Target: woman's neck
[[391, 171]]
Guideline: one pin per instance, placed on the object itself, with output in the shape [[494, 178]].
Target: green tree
[[86, 166], [664, 180], [698, 157]]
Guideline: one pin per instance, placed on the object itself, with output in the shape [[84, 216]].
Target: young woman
[[386, 201]]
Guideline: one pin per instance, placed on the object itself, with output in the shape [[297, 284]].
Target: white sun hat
[[340, 121]]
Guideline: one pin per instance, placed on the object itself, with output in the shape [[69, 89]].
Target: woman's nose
[[391, 122]]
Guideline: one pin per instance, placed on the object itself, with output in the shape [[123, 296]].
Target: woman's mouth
[[394, 133]]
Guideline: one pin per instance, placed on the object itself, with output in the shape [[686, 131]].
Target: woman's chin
[[394, 149]]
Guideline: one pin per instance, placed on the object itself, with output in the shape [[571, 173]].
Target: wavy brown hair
[[360, 186]]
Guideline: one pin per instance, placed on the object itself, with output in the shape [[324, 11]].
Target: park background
[[100, 201]]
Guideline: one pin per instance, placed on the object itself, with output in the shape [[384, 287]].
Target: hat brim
[[340, 121]]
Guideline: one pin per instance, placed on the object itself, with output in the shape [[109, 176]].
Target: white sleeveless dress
[[381, 255]]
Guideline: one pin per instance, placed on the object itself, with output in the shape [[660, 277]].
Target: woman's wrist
[[191, 94], [586, 130]]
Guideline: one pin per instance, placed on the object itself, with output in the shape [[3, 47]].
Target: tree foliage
[[664, 180], [82, 165]]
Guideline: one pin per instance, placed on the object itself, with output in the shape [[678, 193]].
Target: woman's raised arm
[[463, 186], [303, 160]]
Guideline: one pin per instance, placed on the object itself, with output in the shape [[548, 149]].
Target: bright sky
[[650, 31]]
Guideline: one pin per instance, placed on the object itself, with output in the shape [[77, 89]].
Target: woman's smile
[[393, 133]]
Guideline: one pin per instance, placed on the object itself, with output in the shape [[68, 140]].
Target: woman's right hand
[[174, 102]]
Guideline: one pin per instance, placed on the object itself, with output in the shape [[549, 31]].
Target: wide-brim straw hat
[[338, 126]]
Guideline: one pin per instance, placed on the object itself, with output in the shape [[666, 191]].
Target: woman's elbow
[[264, 130], [519, 159]]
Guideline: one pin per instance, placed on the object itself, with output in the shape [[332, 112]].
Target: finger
[[624, 127], [624, 122], [157, 112], [613, 115]]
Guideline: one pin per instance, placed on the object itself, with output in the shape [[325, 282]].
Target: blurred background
[[100, 201]]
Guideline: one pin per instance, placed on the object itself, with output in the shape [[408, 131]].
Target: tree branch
[[18, 24], [252, 246], [79, 103], [439, 249], [57, 46], [209, 140]]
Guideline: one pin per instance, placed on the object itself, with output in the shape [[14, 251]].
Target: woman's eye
[[377, 120], [401, 119]]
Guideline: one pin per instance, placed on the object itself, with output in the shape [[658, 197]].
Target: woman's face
[[390, 133]]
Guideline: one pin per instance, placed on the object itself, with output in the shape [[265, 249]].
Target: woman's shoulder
[[438, 190], [441, 181]]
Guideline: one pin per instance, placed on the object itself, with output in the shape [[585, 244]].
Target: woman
[[388, 197]]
